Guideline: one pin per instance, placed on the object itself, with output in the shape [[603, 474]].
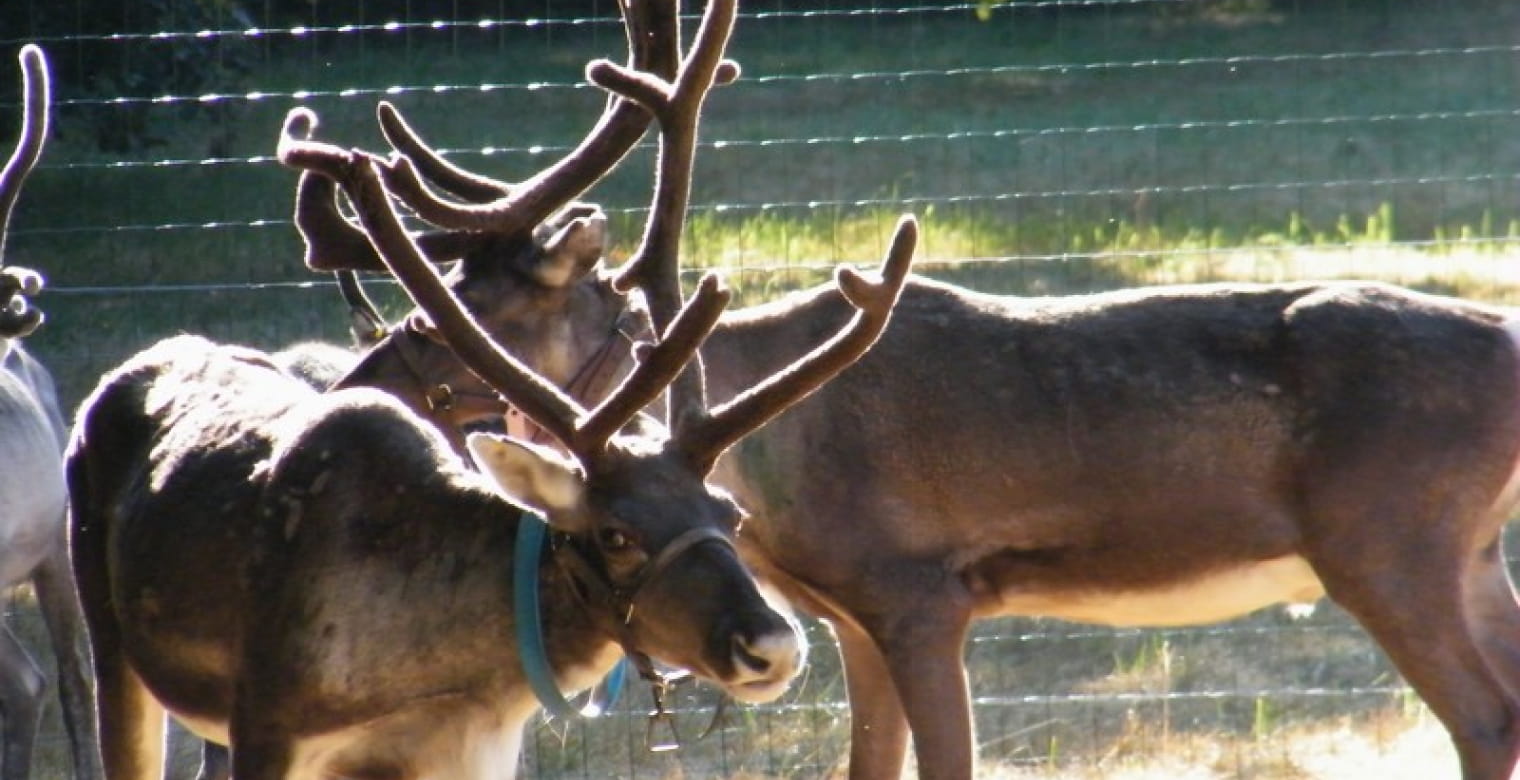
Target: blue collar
[[532, 536]]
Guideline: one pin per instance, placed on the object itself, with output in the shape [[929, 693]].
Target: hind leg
[[216, 764], [132, 723], [1416, 605], [21, 687], [59, 604], [1492, 608], [878, 726]]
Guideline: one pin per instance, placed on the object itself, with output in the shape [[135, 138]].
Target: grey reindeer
[[318, 581], [1155, 457], [33, 500]]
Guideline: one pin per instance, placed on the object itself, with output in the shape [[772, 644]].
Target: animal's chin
[[758, 691]]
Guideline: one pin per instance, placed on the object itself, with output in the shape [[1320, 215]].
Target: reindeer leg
[[1414, 607], [59, 603], [261, 747], [21, 686], [924, 651], [132, 723], [878, 727], [1494, 612], [259, 756], [215, 763]]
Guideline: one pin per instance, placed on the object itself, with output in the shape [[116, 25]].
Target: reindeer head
[[647, 537], [17, 317]]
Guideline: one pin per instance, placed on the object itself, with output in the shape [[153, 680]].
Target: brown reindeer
[[319, 582], [33, 547], [1155, 457]]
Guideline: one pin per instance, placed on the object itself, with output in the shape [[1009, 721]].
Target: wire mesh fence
[[1049, 147]]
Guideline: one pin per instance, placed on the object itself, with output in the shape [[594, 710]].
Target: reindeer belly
[[1202, 598], [446, 739]]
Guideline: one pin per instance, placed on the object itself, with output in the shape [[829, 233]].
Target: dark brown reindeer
[[318, 581], [33, 547], [1156, 457]]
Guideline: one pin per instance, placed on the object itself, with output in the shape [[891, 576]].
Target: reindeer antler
[[699, 433], [704, 437], [653, 47], [473, 187], [36, 105], [584, 433], [17, 318], [333, 243], [677, 104]]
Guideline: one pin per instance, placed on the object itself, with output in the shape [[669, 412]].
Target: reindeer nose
[[765, 663]]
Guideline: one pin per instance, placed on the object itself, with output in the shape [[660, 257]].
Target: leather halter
[[593, 376], [442, 398], [598, 591]]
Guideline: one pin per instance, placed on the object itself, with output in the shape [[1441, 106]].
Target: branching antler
[[473, 187], [704, 437], [653, 47], [585, 433], [333, 243], [17, 317], [677, 104], [674, 96]]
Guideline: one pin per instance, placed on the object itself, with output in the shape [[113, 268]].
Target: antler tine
[[677, 104], [540, 400], [36, 100], [704, 438], [333, 243], [661, 365], [471, 186], [651, 27]]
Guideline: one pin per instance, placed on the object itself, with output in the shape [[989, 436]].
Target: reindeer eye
[[613, 540]]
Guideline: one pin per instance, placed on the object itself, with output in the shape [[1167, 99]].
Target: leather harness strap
[[593, 375], [598, 591]]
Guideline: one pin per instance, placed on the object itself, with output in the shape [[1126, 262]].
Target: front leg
[[260, 748], [878, 727], [21, 689]]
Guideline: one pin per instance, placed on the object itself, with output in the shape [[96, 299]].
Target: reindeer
[[1155, 457], [318, 581], [32, 494]]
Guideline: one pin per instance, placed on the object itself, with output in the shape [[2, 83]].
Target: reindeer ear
[[536, 477], [573, 250]]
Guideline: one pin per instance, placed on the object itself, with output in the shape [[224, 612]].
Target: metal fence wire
[[1048, 147]]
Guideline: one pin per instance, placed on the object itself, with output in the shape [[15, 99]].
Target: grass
[[1388, 746]]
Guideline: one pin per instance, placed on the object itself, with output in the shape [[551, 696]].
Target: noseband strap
[[599, 592], [596, 591]]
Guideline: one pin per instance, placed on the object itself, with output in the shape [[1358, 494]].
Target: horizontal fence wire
[[1048, 147]]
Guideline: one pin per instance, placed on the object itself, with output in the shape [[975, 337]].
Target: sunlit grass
[[767, 253], [1392, 745]]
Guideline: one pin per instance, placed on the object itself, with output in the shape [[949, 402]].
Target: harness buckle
[[440, 398], [653, 731]]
